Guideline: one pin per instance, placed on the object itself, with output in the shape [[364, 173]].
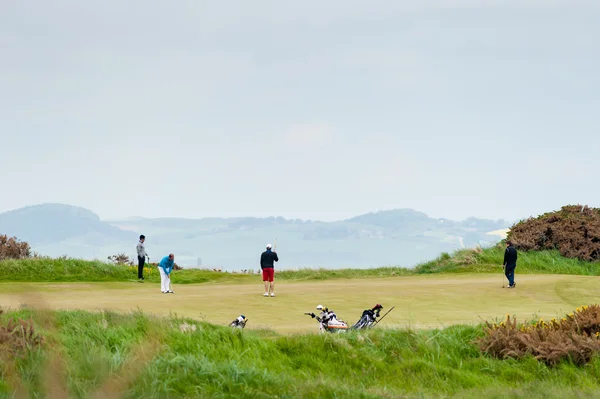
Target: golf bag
[[239, 322], [328, 321], [368, 318]]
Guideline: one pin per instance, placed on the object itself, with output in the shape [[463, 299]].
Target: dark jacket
[[510, 256], [267, 259]]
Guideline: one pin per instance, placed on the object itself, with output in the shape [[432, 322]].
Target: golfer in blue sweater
[[165, 267]]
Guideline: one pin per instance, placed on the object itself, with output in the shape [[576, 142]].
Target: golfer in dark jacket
[[267, 264], [510, 263]]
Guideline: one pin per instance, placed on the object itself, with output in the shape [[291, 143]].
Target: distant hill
[[58, 229], [401, 237]]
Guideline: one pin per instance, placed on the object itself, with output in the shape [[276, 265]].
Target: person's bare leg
[[266, 286], [272, 288]]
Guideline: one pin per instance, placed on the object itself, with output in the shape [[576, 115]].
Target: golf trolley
[[328, 321], [239, 322], [368, 318]]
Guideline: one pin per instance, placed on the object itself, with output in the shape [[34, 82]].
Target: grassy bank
[[463, 261], [74, 270], [490, 260], [140, 356]]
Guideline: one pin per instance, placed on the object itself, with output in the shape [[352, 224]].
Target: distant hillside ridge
[[51, 223], [399, 237], [396, 218]]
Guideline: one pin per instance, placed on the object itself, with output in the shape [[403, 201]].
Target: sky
[[313, 110]]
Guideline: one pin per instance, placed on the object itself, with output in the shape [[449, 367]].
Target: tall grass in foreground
[[487, 260], [134, 356]]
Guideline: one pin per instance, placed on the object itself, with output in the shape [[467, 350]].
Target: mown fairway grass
[[421, 301], [463, 288]]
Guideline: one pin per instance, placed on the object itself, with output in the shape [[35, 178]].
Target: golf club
[[392, 308]]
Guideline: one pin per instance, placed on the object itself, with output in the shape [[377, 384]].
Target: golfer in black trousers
[[510, 263], [141, 253]]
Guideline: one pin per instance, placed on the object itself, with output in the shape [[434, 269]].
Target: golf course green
[[423, 301]]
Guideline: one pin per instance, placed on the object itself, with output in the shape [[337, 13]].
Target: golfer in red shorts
[[267, 264]]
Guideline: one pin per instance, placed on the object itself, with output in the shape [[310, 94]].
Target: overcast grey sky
[[307, 109]]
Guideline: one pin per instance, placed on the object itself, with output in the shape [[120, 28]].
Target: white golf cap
[[320, 307], [268, 245]]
